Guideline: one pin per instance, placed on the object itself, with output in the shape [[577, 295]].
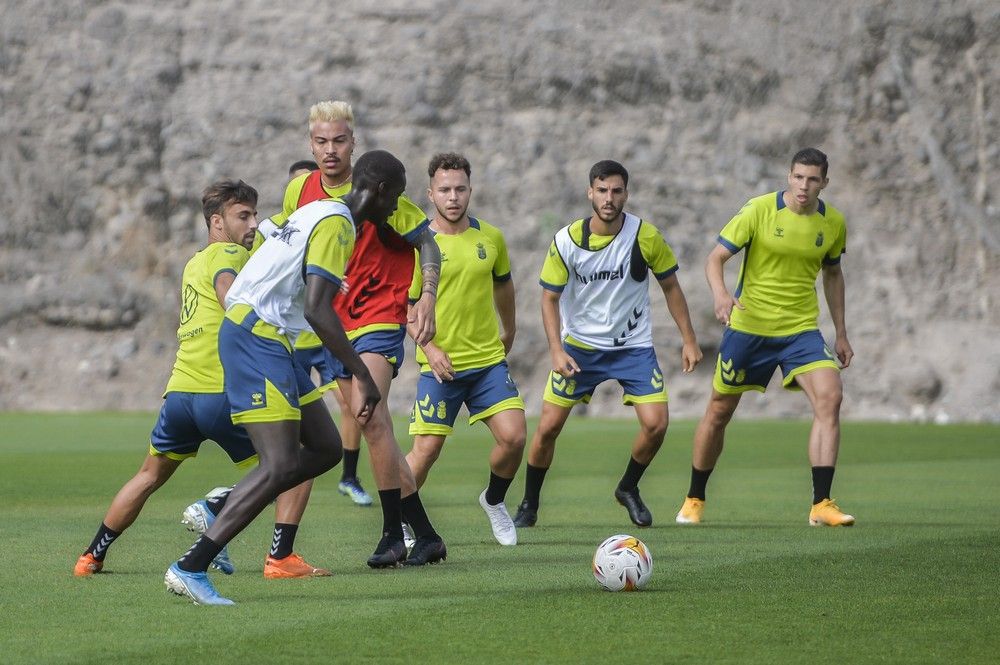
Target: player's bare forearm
[[223, 281], [562, 362], [421, 314], [326, 324], [834, 290], [430, 262], [691, 353], [723, 300], [714, 272], [503, 299]]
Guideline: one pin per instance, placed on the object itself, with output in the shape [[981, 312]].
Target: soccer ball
[[622, 563]]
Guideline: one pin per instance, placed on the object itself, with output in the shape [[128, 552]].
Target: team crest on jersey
[[190, 304], [779, 232], [480, 250], [819, 239], [342, 239], [285, 234]]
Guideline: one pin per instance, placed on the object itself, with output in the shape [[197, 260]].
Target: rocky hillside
[[114, 116]]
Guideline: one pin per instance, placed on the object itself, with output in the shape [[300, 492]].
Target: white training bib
[[603, 305]]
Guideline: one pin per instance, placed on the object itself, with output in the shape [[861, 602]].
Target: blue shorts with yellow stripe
[[486, 391], [188, 419], [327, 367], [635, 369], [746, 362], [263, 382], [386, 343]]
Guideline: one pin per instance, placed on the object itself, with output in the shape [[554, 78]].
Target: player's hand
[[345, 286], [690, 356], [563, 363], [365, 394], [421, 319], [844, 351], [724, 307], [440, 363]]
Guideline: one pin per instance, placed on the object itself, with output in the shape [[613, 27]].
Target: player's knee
[[151, 479], [427, 453], [719, 413], [655, 430], [512, 444], [548, 432], [280, 475], [828, 402]]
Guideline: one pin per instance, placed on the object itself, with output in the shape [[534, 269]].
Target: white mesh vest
[[273, 280], [603, 305]]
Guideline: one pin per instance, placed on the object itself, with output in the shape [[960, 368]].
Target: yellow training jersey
[[197, 368], [467, 328], [783, 254]]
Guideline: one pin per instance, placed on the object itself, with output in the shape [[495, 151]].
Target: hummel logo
[[103, 544], [633, 323], [426, 408], [275, 542]]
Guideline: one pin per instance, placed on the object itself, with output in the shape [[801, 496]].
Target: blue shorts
[[263, 382], [485, 391], [746, 362], [188, 419], [327, 367], [386, 343], [636, 369]]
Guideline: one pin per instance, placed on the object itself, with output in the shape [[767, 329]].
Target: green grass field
[[917, 580]]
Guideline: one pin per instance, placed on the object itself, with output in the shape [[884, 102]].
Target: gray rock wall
[[114, 116]]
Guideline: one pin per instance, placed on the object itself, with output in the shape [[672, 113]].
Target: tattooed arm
[[420, 318]]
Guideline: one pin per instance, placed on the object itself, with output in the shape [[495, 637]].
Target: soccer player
[[282, 562], [195, 407], [331, 141], [465, 363], [285, 287], [788, 238], [375, 316], [595, 281]]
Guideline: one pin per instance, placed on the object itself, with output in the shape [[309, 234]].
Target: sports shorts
[[188, 419], [635, 369], [320, 359], [262, 380], [746, 362], [386, 343], [485, 391]]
